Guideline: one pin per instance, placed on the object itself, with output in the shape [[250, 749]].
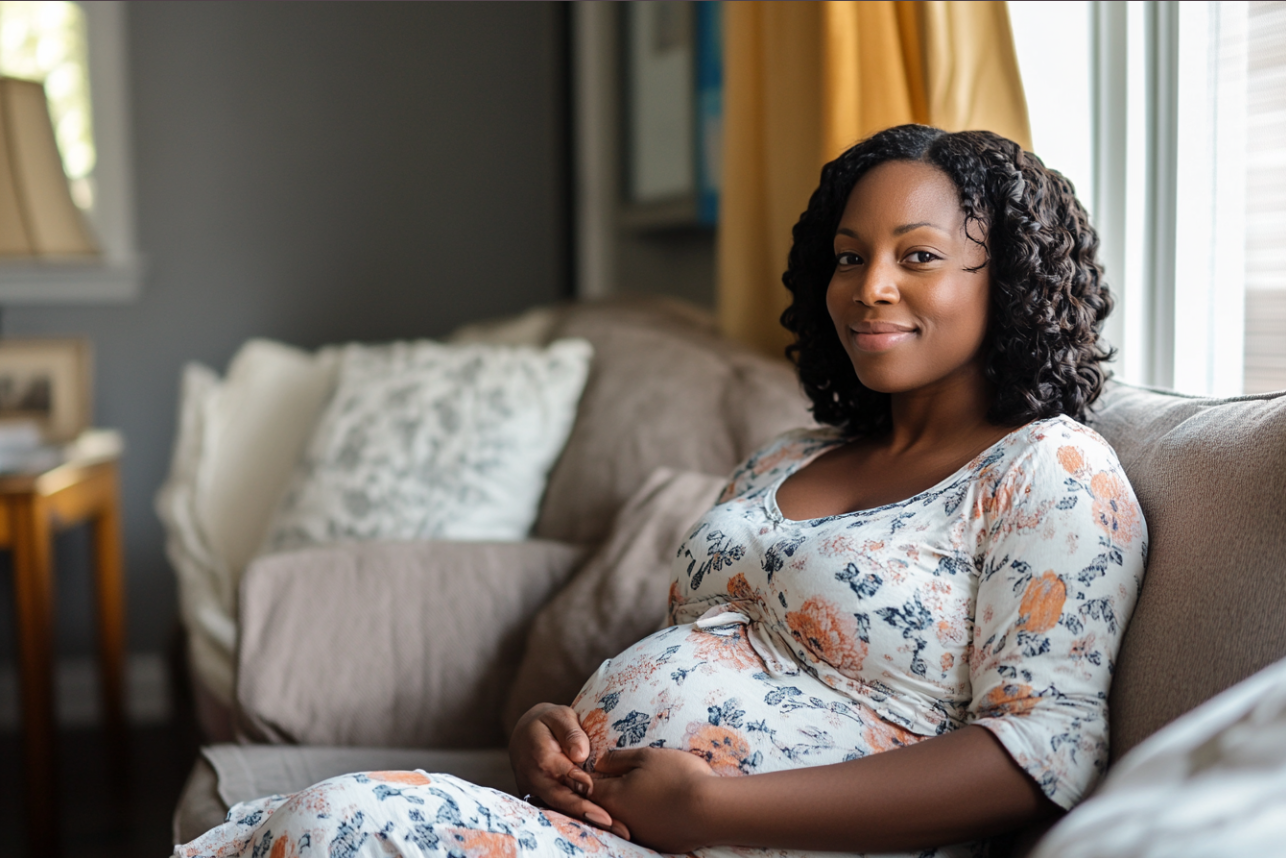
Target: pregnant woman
[[894, 634]]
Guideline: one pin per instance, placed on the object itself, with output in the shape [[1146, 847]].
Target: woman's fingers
[[537, 754], [565, 726], [565, 801], [617, 763], [547, 749], [553, 760], [658, 794], [609, 792], [579, 781]]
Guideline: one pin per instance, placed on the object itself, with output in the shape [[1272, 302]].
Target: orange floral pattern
[[1015, 699], [284, 848], [471, 843], [1000, 593], [738, 588], [581, 836], [595, 725], [1071, 459], [406, 778], [883, 736], [1115, 509], [828, 635], [368, 817], [997, 597], [1042, 604], [727, 751], [727, 645]]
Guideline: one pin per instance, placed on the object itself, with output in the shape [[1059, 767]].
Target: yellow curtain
[[803, 81]]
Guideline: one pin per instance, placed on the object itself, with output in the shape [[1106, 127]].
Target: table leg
[[110, 587], [34, 594]]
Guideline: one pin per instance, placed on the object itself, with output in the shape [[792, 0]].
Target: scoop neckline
[[775, 514]]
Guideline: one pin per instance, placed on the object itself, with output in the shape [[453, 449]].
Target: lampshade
[[37, 215]]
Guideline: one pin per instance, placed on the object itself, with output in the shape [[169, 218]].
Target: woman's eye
[[921, 257], [847, 258]]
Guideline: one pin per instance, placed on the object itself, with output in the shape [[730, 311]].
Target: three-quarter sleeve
[[1061, 557]]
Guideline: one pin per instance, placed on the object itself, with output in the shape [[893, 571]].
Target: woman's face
[[908, 313]]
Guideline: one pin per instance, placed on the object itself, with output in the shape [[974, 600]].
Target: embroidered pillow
[[427, 441]]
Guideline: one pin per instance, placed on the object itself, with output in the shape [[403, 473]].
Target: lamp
[[37, 216]]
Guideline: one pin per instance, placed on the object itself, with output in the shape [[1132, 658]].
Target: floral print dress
[[997, 597]]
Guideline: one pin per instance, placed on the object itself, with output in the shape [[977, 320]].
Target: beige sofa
[[422, 655]]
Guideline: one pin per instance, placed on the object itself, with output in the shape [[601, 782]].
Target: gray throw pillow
[[389, 644]]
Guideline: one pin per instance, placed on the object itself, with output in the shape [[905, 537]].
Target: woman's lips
[[879, 337]]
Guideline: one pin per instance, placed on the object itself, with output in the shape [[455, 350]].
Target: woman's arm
[[951, 788]]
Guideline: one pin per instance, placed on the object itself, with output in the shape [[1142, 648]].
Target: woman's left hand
[[660, 794]]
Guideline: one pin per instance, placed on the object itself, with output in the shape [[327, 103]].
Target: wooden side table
[[33, 506]]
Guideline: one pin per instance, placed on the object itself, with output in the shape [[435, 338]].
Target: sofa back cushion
[[1210, 475], [389, 644], [664, 391]]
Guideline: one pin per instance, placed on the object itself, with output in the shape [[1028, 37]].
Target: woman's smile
[[880, 336]]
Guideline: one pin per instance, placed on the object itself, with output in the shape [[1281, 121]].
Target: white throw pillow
[[427, 441], [1211, 783], [238, 440]]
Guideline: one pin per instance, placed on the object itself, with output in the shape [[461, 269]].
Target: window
[[1265, 325], [1180, 111], [78, 51], [1057, 81], [46, 42]]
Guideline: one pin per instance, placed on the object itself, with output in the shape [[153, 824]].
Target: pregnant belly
[[704, 688]]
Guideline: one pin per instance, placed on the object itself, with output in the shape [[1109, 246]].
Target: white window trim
[[1177, 270], [118, 275]]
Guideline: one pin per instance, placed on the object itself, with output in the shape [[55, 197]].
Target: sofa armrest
[[389, 644]]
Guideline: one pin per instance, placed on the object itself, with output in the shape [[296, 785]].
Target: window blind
[[1265, 366]]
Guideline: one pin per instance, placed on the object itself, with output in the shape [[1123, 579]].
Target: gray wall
[[314, 173]]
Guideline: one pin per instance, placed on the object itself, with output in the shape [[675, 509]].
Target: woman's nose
[[879, 286]]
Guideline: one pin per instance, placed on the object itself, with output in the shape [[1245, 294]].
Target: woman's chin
[[881, 382]]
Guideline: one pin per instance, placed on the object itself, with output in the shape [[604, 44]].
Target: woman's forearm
[[956, 787]]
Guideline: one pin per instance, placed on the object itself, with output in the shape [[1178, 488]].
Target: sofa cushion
[[1210, 475], [664, 390], [617, 597], [199, 808], [389, 644]]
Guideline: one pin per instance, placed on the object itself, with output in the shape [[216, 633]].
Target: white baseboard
[[76, 701]]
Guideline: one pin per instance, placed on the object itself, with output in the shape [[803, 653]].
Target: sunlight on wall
[[46, 41]]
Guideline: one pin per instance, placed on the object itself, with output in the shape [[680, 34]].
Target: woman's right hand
[[546, 750]]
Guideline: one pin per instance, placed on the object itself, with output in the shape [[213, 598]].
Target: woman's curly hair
[[1048, 297]]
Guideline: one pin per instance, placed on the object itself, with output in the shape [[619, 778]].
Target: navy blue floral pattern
[[997, 597]]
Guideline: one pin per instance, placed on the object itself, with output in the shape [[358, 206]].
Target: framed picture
[[662, 163], [673, 113], [46, 382]]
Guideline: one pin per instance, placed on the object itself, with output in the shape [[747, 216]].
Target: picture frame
[[672, 91], [48, 382], [659, 45]]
